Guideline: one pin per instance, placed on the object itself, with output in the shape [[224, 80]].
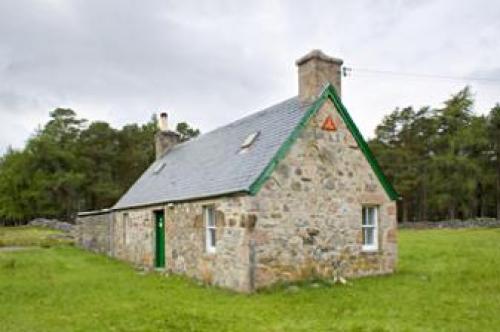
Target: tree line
[[71, 165], [444, 162]]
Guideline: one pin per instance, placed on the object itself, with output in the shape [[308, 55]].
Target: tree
[[402, 146], [14, 186], [444, 162], [98, 151], [136, 152], [186, 131], [454, 172], [494, 131], [56, 176], [69, 165]]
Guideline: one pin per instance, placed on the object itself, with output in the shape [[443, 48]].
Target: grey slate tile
[[211, 164]]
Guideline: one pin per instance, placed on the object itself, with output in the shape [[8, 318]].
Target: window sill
[[210, 252], [370, 251]]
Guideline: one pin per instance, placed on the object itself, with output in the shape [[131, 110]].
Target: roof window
[[158, 168], [250, 139]]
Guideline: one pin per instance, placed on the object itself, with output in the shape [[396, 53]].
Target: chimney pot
[[163, 122], [316, 69]]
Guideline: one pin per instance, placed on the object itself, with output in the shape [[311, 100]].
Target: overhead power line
[[350, 71]]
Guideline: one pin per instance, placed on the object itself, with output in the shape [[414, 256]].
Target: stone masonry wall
[[304, 221], [186, 253], [93, 232], [129, 235], [309, 211], [132, 236]]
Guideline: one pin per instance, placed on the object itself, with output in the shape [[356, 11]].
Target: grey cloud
[[212, 62]]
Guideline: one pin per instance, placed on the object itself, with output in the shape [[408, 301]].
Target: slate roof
[[213, 164]]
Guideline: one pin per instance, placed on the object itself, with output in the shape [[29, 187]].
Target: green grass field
[[447, 280], [30, 236]]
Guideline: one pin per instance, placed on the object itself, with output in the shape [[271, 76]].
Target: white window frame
[[210, 228], [366, 225]]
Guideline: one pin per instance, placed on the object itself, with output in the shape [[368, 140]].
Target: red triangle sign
[[329, 125]]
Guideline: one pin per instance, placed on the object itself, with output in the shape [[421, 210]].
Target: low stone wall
[[93, 231], [450, 224], [53, 223]]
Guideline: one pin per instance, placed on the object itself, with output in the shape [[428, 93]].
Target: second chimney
[[165, 139], [316, 69]]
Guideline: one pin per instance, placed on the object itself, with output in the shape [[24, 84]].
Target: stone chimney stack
[[165, 139], [315, 70]]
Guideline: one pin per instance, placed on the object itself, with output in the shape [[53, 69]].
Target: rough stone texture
[[132, 238], [304, 222], [186, 254], [315, 69], [164, 141], [52, 223], [309, 211], [93, 232]]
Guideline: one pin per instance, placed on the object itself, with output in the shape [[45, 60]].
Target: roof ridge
[[211, 164], [246, 117]]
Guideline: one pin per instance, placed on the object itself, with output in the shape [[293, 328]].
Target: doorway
[[159, 239]]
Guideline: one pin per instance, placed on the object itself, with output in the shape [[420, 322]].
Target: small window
[[159, 167], [249, 140], [370, 228], [210, 229]]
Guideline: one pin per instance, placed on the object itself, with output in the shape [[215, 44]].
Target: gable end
[[328, 93]]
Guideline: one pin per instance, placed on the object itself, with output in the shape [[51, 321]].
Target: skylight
[[158, 167], [250, 139]]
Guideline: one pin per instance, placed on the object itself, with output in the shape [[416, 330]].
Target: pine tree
[[494, 130]]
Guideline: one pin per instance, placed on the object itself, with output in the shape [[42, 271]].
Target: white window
[[210, 228], [159, 167], [250, 139], [370, 228]]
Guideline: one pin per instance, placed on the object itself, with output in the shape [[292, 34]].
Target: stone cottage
[[287, 193]]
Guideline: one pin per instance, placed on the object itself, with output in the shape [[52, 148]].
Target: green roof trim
[[328, 93]]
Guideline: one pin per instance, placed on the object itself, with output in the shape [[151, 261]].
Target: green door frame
[[159, 239]]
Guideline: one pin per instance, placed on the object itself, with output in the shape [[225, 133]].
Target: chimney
[[316, 69], [163, 122], [165, 139]]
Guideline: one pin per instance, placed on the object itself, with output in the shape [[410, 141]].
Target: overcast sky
[[211, 62]]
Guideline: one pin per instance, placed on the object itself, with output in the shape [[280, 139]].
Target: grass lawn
[[30, 236], [447, 280]]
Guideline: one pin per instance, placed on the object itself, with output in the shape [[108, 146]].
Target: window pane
[[210, 228], [371, 216], [369, 228], [368, 236], [210, 217], [212, 237]]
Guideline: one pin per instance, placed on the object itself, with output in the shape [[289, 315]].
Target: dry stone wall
[[93, 232]]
